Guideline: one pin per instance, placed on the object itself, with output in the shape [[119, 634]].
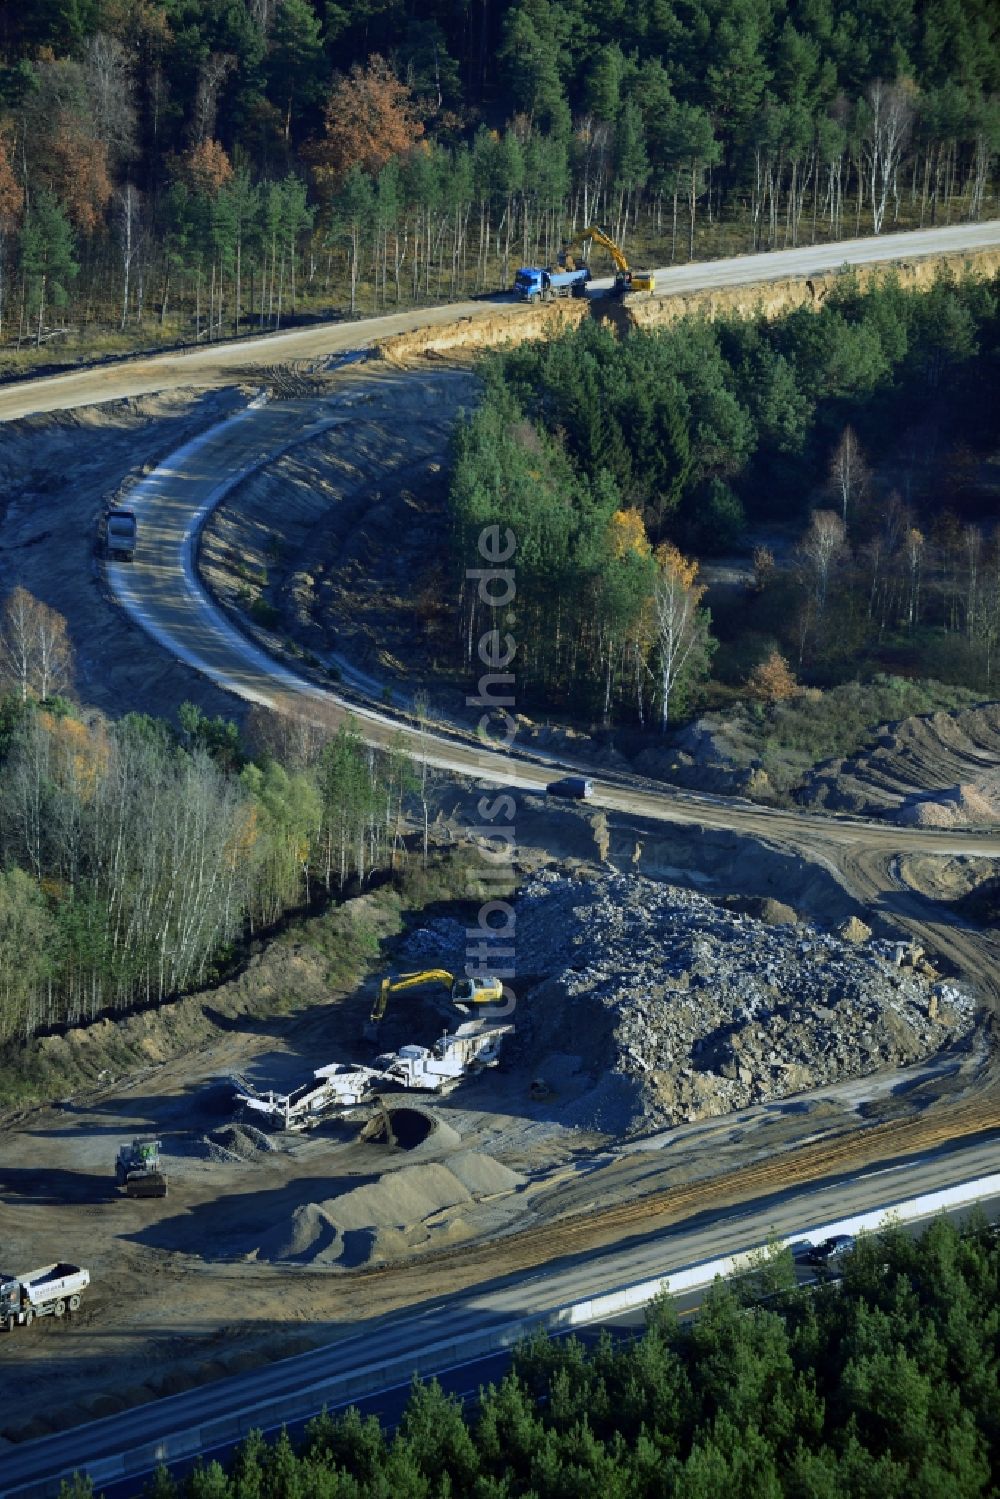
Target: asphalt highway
[[162, 593], [294, 1389]]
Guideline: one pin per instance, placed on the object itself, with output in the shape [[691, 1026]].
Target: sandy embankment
[[468, 336]]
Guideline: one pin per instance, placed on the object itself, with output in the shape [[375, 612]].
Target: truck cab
[[121, 531], [535, 283], [11, 1301], [529, 283]]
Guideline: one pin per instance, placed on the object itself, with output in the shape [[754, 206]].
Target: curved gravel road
[[163, 594]]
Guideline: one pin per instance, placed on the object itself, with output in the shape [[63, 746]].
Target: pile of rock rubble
[[681, 1008]]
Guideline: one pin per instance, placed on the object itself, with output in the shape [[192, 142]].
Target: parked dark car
[[575, 786], [830, 1251]]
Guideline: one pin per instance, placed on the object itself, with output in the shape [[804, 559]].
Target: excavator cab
[[477, 991], [640, 281]]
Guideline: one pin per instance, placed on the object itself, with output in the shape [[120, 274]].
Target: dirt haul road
[[162, 594], [227, 363]]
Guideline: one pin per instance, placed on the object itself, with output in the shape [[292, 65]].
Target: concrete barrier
[[450, 1353], [694, 1277], [437, 1358]]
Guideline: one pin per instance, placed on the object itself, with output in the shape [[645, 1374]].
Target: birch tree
[[683, 642], [888, 120], [820, 550], [35, 651], [848, 473], [17, 649], [128, 240]]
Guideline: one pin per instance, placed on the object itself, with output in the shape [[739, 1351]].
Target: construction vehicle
[[462, 991], [51, 1291], [543, 284], [466, 1051], [626, 279], [138, 1169], [336, 1086], [469, 1049], [120, 532]]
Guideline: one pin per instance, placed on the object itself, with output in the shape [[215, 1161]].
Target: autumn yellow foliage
[[628, 534], [772, 680], [80, 755]]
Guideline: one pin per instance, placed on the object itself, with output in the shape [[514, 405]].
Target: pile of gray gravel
[[682, 1009]]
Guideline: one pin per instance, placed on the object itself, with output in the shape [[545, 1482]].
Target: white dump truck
[[51, 1291]]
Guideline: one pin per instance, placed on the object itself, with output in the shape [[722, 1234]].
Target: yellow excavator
[[462, 991], [626, 280]]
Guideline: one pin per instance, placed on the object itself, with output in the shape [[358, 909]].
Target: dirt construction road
[[162, 593], [227, 363]]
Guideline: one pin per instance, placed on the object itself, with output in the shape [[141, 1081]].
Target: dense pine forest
[[882, 1386], [195, 168], [858, 430]]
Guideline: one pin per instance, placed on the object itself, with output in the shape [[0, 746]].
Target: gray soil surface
[[266, 1244], [346, 540], [938, 770], [57, 473], [615, 970], [346, 537]]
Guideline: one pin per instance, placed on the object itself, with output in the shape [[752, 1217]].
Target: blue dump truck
[[533, 284]]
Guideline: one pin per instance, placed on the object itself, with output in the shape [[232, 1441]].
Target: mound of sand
[[930, 770], [972, 804], [310, 1237], [415, 1130], [762, 908], [387, 1216]]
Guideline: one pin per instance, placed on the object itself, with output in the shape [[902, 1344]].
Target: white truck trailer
[[51, 1291]]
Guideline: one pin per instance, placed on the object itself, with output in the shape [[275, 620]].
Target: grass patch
[[353, 937], [264, 613], [797, 735], [791, 738]]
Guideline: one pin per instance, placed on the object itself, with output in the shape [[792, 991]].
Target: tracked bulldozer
[[138, 1169]]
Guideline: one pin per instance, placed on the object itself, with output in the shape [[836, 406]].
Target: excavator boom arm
[[626, 280], [599, 236], [408, 981]]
